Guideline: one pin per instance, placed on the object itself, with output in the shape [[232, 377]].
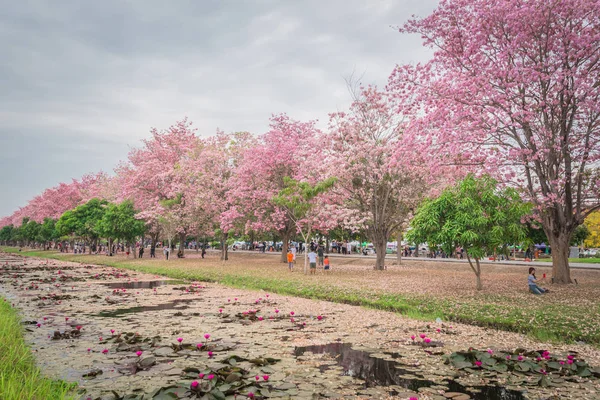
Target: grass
[[20, 379], [576, 260], [567, 316]]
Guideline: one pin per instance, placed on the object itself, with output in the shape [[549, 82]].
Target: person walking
[[320, 254]]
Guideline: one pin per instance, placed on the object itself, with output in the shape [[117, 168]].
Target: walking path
[[392, 257]]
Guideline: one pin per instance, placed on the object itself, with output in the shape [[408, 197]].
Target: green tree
[[297, 198], [119, 222], [47, 231], [475, 215], [7, 234], [82, 221]]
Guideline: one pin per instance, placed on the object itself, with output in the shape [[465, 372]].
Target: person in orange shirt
[[290, 258], [326, 264]]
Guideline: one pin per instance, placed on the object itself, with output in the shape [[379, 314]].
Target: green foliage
[[7, 233], [474, 214], [296, 196], [83, 220], [19, 376], [580, 234], [119, 222], [48, 231]]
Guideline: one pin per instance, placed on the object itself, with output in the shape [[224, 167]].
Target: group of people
[[316, 256]]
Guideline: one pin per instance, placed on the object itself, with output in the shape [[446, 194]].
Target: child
[[326, 264], [290, 259]]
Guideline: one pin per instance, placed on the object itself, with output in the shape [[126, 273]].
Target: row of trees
[[88, 223], [511, 91]]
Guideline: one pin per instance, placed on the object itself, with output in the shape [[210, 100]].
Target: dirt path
[[368, 353]]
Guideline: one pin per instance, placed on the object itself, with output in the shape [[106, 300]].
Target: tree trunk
[[224, 249], [197, 243], [380, 245], [559, 243], [182, 243], [327, 244], [399, 248], [285, 237], [476, 269]]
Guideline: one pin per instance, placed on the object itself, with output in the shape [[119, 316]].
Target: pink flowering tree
[[152, 177], [289, 149], [381, 177], [513, 90], [210, 169]]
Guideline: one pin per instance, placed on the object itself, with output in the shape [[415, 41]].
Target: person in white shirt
[[294, 252], [312, 260]]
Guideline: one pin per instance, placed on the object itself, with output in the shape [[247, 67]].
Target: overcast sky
[[82, 82]]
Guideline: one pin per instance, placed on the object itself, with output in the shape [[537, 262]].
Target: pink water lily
[[138, 353], [291, 313], [180, 339], [276, 311], [210, 354], [478, 363], [265, 377], [105, 351], [319, 317], [199, 346], [195, 384], [427, 340], [201, 375], [569, 362], [206, 336], [520, 358], [257, 378], [413, 337], [250, 395], [422, 336], [260, 318], [210, 377], [561, 362]]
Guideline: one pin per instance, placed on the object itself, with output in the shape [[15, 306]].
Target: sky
[[83, 82]]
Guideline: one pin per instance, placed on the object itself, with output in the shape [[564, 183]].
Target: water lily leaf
[[462, 364], [521, 366], [165, 393], [217, 394], [554, 365], [584, 372], [500, 367], [191, 369], [233, 377]]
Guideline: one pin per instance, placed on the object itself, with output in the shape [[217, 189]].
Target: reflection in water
[[379, 372], [134, 285], [172, 305]]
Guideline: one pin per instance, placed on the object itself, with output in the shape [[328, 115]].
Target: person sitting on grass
[[532, 281]]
